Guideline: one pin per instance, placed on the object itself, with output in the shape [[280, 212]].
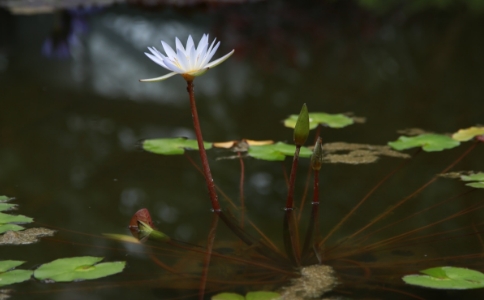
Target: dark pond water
[[73, 114]]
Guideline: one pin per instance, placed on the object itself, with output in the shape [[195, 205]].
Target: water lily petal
[[220, 60], [198, 72], [156, 60], [190, 44], [182, 60], [168, 50], [210, 54], [173, 67], [159, 78], [200, 55], [203, 43]]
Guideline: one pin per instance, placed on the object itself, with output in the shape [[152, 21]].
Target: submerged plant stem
[[203, 154], [292, 180], [208, 256], [241, 187]]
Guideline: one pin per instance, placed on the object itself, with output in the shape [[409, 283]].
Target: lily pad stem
[[203, 154]]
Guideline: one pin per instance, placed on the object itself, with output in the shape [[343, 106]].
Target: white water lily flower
[[190, 61]]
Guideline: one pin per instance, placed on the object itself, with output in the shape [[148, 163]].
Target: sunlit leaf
[[227, 296], [477, 185], [262, 295], [172, 146], [77, 268], [277, 151], [474, 177], [13, 276], [10, 227], [6, 265], [447, 278], [464, 135], [330, 120], [5, 199], [28, 236], [6, 206], [428, 142], [242, 145], [6, 218]]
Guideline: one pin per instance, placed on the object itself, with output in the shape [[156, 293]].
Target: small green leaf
[[474, 177], [428, 142], [5, 199], [262, 295], [276, 152], [464, 135], [77, 268], [228, 296], [6, 206], [477, 185], [6, 218], [172, 146], [301, 129], [14, 276], [6, 265], [447, 278], [10, 227], [330, 120]]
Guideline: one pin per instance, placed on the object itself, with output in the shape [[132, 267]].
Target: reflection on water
[[70, 129]]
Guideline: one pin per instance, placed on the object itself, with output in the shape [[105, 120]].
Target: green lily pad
[[477, 185], [428, 142], [277, 151], [330, 120], [6, 218], [451, 278], [5, 199], [10, 227], [77, 268], [172, 146], [13, 276], [262, 295], [6, 206], [228, 296], [474, 177], [464, 135]]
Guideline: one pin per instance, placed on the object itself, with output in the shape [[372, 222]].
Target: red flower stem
[[203, 154], [316, 187], [292, 180], [241, 187]]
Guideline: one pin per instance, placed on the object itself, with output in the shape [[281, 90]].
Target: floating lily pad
[[10, 227], [5, 198], [77, 268], [7, 206], [28, 236], [428, 142], [277, 151], [6, 218], [13, 276], [451, 278], [473, 177], [172, 146], [242, 145], [330, 120], [228, 296], [477, 185], [262, 295], [464, 135]]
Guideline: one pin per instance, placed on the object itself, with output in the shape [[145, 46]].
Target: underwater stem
[[241, 187], [203, 154], [208, 256]]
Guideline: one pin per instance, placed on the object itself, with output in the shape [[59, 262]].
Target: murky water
[[73, 114]]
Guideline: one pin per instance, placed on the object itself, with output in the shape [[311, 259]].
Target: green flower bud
[[301, 130], [317, 157]]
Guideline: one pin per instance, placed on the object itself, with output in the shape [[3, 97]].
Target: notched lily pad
[[464, 135], [478, 178], [7, 206], [330, 120], [451, 278], [77, 268], [262, 295], [242, 145], [4, 198], [14, 276], [349, 153], [428, 142], [28, 236], [172, 146], [277, 151]]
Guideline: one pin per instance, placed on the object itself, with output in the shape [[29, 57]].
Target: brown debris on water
[[314, 282], [455, 175], [357, 153], [413, 131], [5, 294], [356, 119], [28, 236]]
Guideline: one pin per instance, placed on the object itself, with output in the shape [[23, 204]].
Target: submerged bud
[[317, 157], [301, 130]]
